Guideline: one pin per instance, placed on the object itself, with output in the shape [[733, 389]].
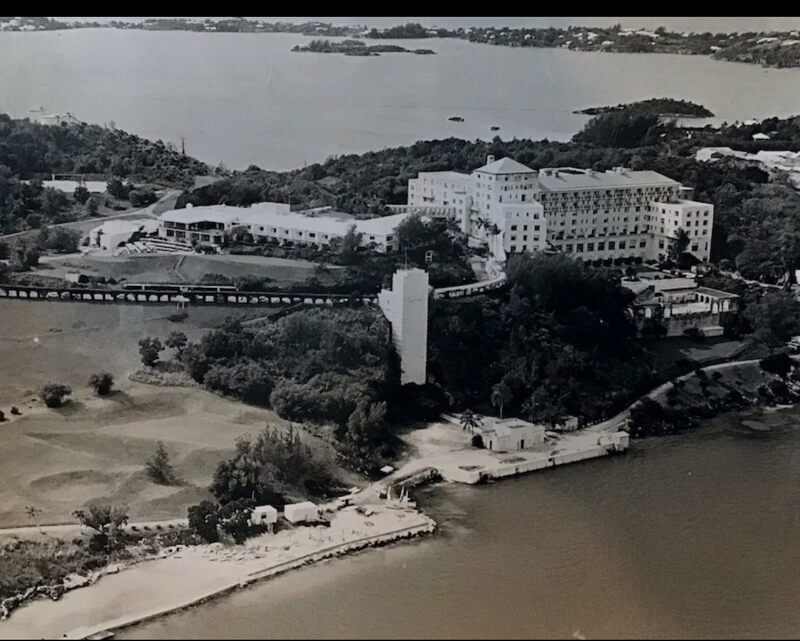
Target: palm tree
[[501, 394], [679, 246], [33, 513], [469, 421]]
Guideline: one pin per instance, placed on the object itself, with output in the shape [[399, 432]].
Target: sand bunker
[[65, 486]]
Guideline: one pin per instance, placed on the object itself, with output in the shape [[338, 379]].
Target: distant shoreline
[[778, 49]]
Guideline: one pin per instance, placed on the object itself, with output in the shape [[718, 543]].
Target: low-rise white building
[[509, 434], [263, 515], [301, 512], [678, 303], [113, 233], [275, 221]]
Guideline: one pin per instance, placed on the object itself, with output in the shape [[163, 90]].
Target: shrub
[[15, 410], [149, 349], [53, 394], [203, 520], [159, 468], [102, 382], [716, 375], [779, 364]]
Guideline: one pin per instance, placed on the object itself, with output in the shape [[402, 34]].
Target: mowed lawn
[[94, 449], [283, 272]]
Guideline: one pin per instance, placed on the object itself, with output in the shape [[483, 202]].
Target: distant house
[[678, 303], [509, 434], [760, 136]]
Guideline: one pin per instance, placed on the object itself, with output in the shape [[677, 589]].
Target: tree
[[61, 239], [81, 194], [501, 394], [159, 468], [176, 341], [203, 520], [102, 382], [469, 421], [775, 318], [149, 349], [92, 206], [33, 513], [117, 188], [105, 520], [348, 246], [53, 394], [679, 245], [234, 519]]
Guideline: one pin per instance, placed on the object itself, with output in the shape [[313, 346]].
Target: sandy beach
[[186, 576]]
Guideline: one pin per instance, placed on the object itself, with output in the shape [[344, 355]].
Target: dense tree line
[[335, 367], [557, 343], [30, 151]]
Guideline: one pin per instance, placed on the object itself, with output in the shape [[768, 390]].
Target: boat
[[456, 119], [494, 128]]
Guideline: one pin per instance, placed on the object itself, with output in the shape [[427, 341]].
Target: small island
[[665, 107], [356, 48]]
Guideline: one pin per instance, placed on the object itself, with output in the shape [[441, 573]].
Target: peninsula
[[665, 107]]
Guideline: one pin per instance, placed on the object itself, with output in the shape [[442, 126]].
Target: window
[[513, 228], [643, 243], [590, 247], [601, 246], [611, 244]]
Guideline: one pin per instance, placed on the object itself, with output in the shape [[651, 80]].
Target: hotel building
[[615, 214]]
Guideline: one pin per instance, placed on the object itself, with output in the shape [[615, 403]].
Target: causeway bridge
[[187, 296]]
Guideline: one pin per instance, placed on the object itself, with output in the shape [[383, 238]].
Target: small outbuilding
[[263, 515], [760, 136], [301, 512]]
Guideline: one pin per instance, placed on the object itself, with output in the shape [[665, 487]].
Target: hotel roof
[[505, 166], [559, 180]]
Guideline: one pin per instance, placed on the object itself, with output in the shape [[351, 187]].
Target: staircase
[[154, 245]]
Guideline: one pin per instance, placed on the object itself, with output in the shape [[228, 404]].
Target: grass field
[[191, 268], [95, 448]]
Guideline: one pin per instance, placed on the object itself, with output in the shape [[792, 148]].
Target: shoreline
[[158, 586]]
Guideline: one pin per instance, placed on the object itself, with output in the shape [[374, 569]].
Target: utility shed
[[263, 515], [301, 512]]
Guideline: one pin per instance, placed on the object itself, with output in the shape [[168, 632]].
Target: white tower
[[406, 308]]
